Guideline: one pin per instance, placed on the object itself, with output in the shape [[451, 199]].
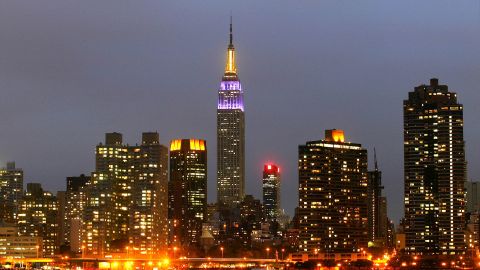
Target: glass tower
[[230, 135], [271, 191]]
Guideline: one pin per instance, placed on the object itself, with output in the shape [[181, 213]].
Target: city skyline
[[42, 123]]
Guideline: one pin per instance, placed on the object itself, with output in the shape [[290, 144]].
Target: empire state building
[[230, 135]]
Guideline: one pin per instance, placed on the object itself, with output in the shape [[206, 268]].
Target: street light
[[283, 251], [221, 248], [268, 252], [174, 252], [37, 250], [83, 251]]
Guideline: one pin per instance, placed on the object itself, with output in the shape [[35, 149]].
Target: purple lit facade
[[230, 95]]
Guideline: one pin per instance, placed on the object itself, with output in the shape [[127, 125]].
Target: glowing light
[[198, 145], [335, 135], [230, 67], [175, 145], [269, 167]]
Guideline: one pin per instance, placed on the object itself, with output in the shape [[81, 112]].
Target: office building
[[434, 170], [230, 135], [271, 191], [188, 190], [333, 195]]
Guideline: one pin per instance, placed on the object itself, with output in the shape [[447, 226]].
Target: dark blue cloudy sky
[[72, 70]]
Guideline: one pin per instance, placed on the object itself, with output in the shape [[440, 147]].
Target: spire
[[231, 31], [375, 159], [230, 68]]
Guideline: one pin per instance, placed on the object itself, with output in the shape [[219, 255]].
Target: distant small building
[[15, 246]]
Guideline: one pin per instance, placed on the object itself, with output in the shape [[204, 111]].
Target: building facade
[[75, 200], [271, 191], [127, 197], [37, 217], [230, 135], [15, 246], [188, 190], [333, 194], [434, 170], [473, 196], [11, 192], [377, 208]]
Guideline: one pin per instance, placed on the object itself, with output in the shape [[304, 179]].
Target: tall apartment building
[[11, 192], [333, 195], [37, 217], [75, 200], [188, 190], [230, 135], [127, 197], [271, 191], [434, 169]]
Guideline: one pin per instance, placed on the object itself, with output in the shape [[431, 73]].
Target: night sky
[[71, 71]]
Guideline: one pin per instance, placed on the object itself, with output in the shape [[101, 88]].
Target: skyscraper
[[333, 191], [377, 207], [230, 135], [271, 191], [188, 189], [11, 192], [127, 197], [434, 169]]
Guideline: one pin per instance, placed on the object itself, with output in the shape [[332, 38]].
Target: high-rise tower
[[434, 169], [332, 193], [188, 190], [271, 191], [230, 134]]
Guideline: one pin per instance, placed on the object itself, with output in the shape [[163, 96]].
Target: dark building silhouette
[[377, 208], [434, 169]]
